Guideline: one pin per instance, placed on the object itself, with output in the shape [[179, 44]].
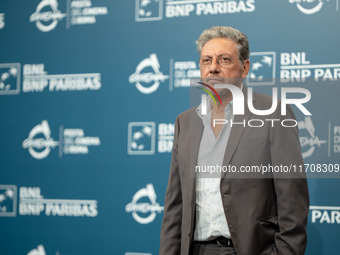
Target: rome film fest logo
[[148, 81], [71, 141], [309, 139], [40, 147], [40, 250], [47, 15], [143, 203], [311, 6]]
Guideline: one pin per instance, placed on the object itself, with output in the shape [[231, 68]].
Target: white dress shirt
[[210, 218]]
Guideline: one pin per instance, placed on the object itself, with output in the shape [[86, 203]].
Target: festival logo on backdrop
[[147, 76], [324, 214], [144, 207], [308, 139], [149, 10], [33, 203], [262, 69], [310, 7], [47, 14], [142, 138], [40, 250], [294, 67], [8, 200], [9, 79], [39, 142], [72, 141], [152, 10]]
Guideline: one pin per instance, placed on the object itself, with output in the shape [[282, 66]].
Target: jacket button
[[225, 195]]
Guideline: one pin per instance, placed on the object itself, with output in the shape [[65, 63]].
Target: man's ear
[[245, 69]]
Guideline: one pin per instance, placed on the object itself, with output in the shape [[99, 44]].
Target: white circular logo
[[309, 8], [144, 208], [153, 77], [46, 20], [40, 148]]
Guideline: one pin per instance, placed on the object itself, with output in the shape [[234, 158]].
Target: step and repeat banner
[[89, 93]]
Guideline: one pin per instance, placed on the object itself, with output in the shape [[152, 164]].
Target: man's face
[[230, 70]]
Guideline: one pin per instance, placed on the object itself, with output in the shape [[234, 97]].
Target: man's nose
[[214, 67]]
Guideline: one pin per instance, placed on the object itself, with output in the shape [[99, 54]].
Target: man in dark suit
[[233, 212]]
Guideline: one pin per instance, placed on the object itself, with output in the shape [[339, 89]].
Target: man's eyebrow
[[217, 55]]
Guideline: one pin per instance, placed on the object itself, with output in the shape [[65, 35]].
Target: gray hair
[[229, 33]]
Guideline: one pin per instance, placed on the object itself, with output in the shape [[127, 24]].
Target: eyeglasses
[[222, 60]]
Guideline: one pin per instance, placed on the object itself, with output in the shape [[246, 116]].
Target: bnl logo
[[141, 138], [262, 69], [149, 10], [8, 200], [9, 79]]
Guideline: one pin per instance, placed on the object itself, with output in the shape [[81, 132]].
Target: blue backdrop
[[89, 92]]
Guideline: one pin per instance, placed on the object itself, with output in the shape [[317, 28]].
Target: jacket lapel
[[236, 131], [196, 131]]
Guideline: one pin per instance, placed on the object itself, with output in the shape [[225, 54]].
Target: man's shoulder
[[186, 114], [188, 118], [263, 100]]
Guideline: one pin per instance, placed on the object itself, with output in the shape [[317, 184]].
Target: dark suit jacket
[[265, 215]]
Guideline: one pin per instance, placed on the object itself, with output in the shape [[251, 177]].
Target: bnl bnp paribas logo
[[144, 207], [9, 79], [262, 69], [293, 67], [313, 6], [47, 14], [8, 200], [142, 138], [40, 142], [152, 10]]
